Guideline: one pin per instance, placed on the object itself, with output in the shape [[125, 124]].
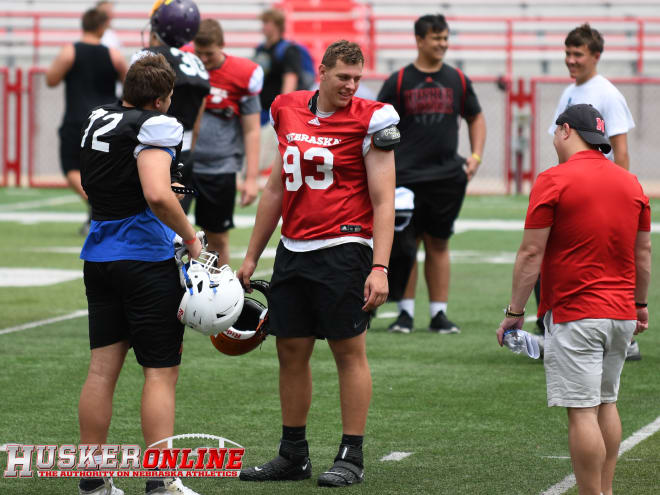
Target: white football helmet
[[213, 300]]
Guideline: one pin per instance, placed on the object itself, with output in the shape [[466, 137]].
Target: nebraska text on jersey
[[321, 141], [323, 171]]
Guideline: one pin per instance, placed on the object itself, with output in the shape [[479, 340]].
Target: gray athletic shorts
[[583, 360]]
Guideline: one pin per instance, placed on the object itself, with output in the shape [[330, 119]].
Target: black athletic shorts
[[136, 301], [437, 205], [214, 205], [70, 147], [319, 293]]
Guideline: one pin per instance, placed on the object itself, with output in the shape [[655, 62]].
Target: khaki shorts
[[583, 360]]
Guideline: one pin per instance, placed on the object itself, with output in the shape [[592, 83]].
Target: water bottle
[[514, 340]]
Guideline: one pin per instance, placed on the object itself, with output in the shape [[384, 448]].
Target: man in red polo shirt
[[588, 232]]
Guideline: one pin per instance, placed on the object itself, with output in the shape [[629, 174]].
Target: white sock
[[98, 459], [407, 305], [435, 307]]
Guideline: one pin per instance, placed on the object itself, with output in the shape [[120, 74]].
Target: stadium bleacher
[[480, 30], [490, 40]]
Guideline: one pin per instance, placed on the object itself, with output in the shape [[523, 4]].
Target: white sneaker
[[171, 486], [108, 488], [632, 353]]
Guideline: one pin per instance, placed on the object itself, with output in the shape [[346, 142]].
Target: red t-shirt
[[595, 209], [326, 194], [236, 79]]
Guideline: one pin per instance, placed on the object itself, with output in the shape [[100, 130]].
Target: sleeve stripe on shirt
[[141, 147], [161, 131], [256, 81], [382, 118]]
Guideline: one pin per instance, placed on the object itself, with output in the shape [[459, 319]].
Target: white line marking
[[556, 456], [396, 456], [36, 277], [642, 434], [262, 273], [37, 203], [48, 321], [29, 218], [387, 314], [7, 214]]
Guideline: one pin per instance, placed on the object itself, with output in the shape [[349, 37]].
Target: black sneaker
[[291, 464], [342, 473], [441, 324], [403, 323]]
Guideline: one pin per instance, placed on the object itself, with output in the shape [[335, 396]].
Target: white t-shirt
[[604, 96]]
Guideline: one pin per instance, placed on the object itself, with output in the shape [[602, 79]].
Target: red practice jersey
[[326, 194], [235, 79]]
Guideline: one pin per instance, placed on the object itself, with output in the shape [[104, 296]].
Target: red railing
[[507, 35], [14, 89]]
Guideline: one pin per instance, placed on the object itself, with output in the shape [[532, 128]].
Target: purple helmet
[[175, 21]]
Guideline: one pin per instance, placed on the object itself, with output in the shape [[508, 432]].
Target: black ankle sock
[[89, 484], [350, 450], [355, 440], [294, 451], [293, 433]]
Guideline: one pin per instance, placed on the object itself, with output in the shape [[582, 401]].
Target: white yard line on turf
[[48, 321], [8, 214], [37, 203], [642, 434], [396, 456]]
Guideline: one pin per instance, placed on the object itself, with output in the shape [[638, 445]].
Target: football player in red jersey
[[333, 186], [229, 131]]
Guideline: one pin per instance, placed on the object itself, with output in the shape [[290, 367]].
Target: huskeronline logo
[[74, 461], [321, 141]]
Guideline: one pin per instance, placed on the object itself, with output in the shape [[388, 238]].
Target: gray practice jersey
[[220, 148]]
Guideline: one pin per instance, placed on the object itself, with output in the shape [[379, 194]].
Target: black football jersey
[[111, 139], [190, 87]]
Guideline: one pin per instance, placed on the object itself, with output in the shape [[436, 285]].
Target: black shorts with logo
[[136, 301], [214, 205], [437, 205], [320, 293]]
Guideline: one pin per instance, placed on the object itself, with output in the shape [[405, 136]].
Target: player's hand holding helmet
[[213, 298], [251, 327], [176, 22]]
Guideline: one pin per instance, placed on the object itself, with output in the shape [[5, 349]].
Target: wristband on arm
[[510, 314], [380, 268]]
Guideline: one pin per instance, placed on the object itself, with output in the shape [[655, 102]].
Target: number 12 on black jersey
[[114, 119]]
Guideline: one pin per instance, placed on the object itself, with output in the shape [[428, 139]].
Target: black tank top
[[90, 82]]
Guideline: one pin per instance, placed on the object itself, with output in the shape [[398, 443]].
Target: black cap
[[589, 124]]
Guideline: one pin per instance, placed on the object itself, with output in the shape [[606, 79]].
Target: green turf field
[[472, 414]]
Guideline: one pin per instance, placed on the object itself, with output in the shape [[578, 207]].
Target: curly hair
[[346, 51]]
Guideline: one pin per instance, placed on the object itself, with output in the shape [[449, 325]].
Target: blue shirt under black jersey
[[141, 237]]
